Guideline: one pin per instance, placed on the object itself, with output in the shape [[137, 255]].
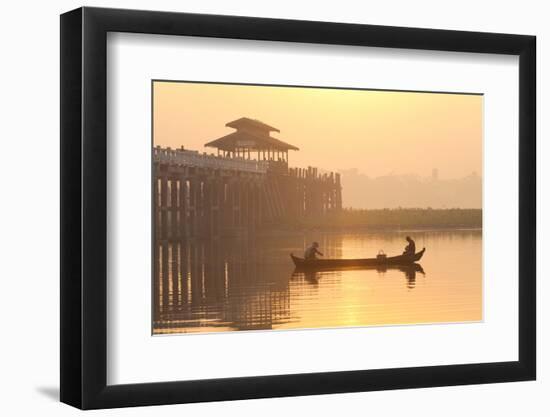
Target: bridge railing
[[196, 159]]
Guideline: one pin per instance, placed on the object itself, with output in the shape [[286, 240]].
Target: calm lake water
[[250, 284]]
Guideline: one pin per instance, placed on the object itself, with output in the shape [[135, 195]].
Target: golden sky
[[377, 132]]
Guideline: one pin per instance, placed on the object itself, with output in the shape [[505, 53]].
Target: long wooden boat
[[404, 260]]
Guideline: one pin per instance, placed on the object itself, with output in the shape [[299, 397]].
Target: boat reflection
[[313, 276]]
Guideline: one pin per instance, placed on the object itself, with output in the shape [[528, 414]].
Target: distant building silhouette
[[411, 191]]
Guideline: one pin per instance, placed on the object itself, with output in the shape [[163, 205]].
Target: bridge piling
[[204, 196]]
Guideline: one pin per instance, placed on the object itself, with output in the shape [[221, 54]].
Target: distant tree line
[[395, 219], [363, 192]]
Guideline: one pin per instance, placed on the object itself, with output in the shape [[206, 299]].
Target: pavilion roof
[[250, 134], [246, 122]]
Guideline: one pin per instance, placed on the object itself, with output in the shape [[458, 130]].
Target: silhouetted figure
[[410, 249], [312, 251]]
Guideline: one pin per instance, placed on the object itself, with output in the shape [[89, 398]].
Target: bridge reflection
[[215, 286], [237, 284]]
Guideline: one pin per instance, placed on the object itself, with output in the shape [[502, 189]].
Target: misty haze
[[410, 191]]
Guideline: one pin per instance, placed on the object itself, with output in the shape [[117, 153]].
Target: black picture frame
[[84, 207]]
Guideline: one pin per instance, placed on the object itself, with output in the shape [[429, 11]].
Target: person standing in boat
[[312, 251], [410, 249]]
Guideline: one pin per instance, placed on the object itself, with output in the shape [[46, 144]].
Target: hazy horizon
[[378, 133], [410, 191]]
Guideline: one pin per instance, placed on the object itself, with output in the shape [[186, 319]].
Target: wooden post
[[156, 280], [176, 289], [227, 210], [163, 207], [215, 208], [206, 207], [182, 207], [165, 274], [200, 218], [258, 205], [251, 207], [193, 210], [184, 270], [174, 226], [196, 266], [156, 204], [240, 199]]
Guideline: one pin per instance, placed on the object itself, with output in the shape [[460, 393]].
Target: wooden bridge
[[204, 195]]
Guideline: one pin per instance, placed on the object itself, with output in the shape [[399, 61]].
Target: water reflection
[[313, 277], [217, 287], [251, 284]]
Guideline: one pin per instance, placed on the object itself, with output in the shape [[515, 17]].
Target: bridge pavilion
[[252, 140]]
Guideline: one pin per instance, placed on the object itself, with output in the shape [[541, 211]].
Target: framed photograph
[[257, 207]]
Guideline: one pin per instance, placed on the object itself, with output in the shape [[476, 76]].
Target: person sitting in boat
[[410, 249], [312, 251]]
